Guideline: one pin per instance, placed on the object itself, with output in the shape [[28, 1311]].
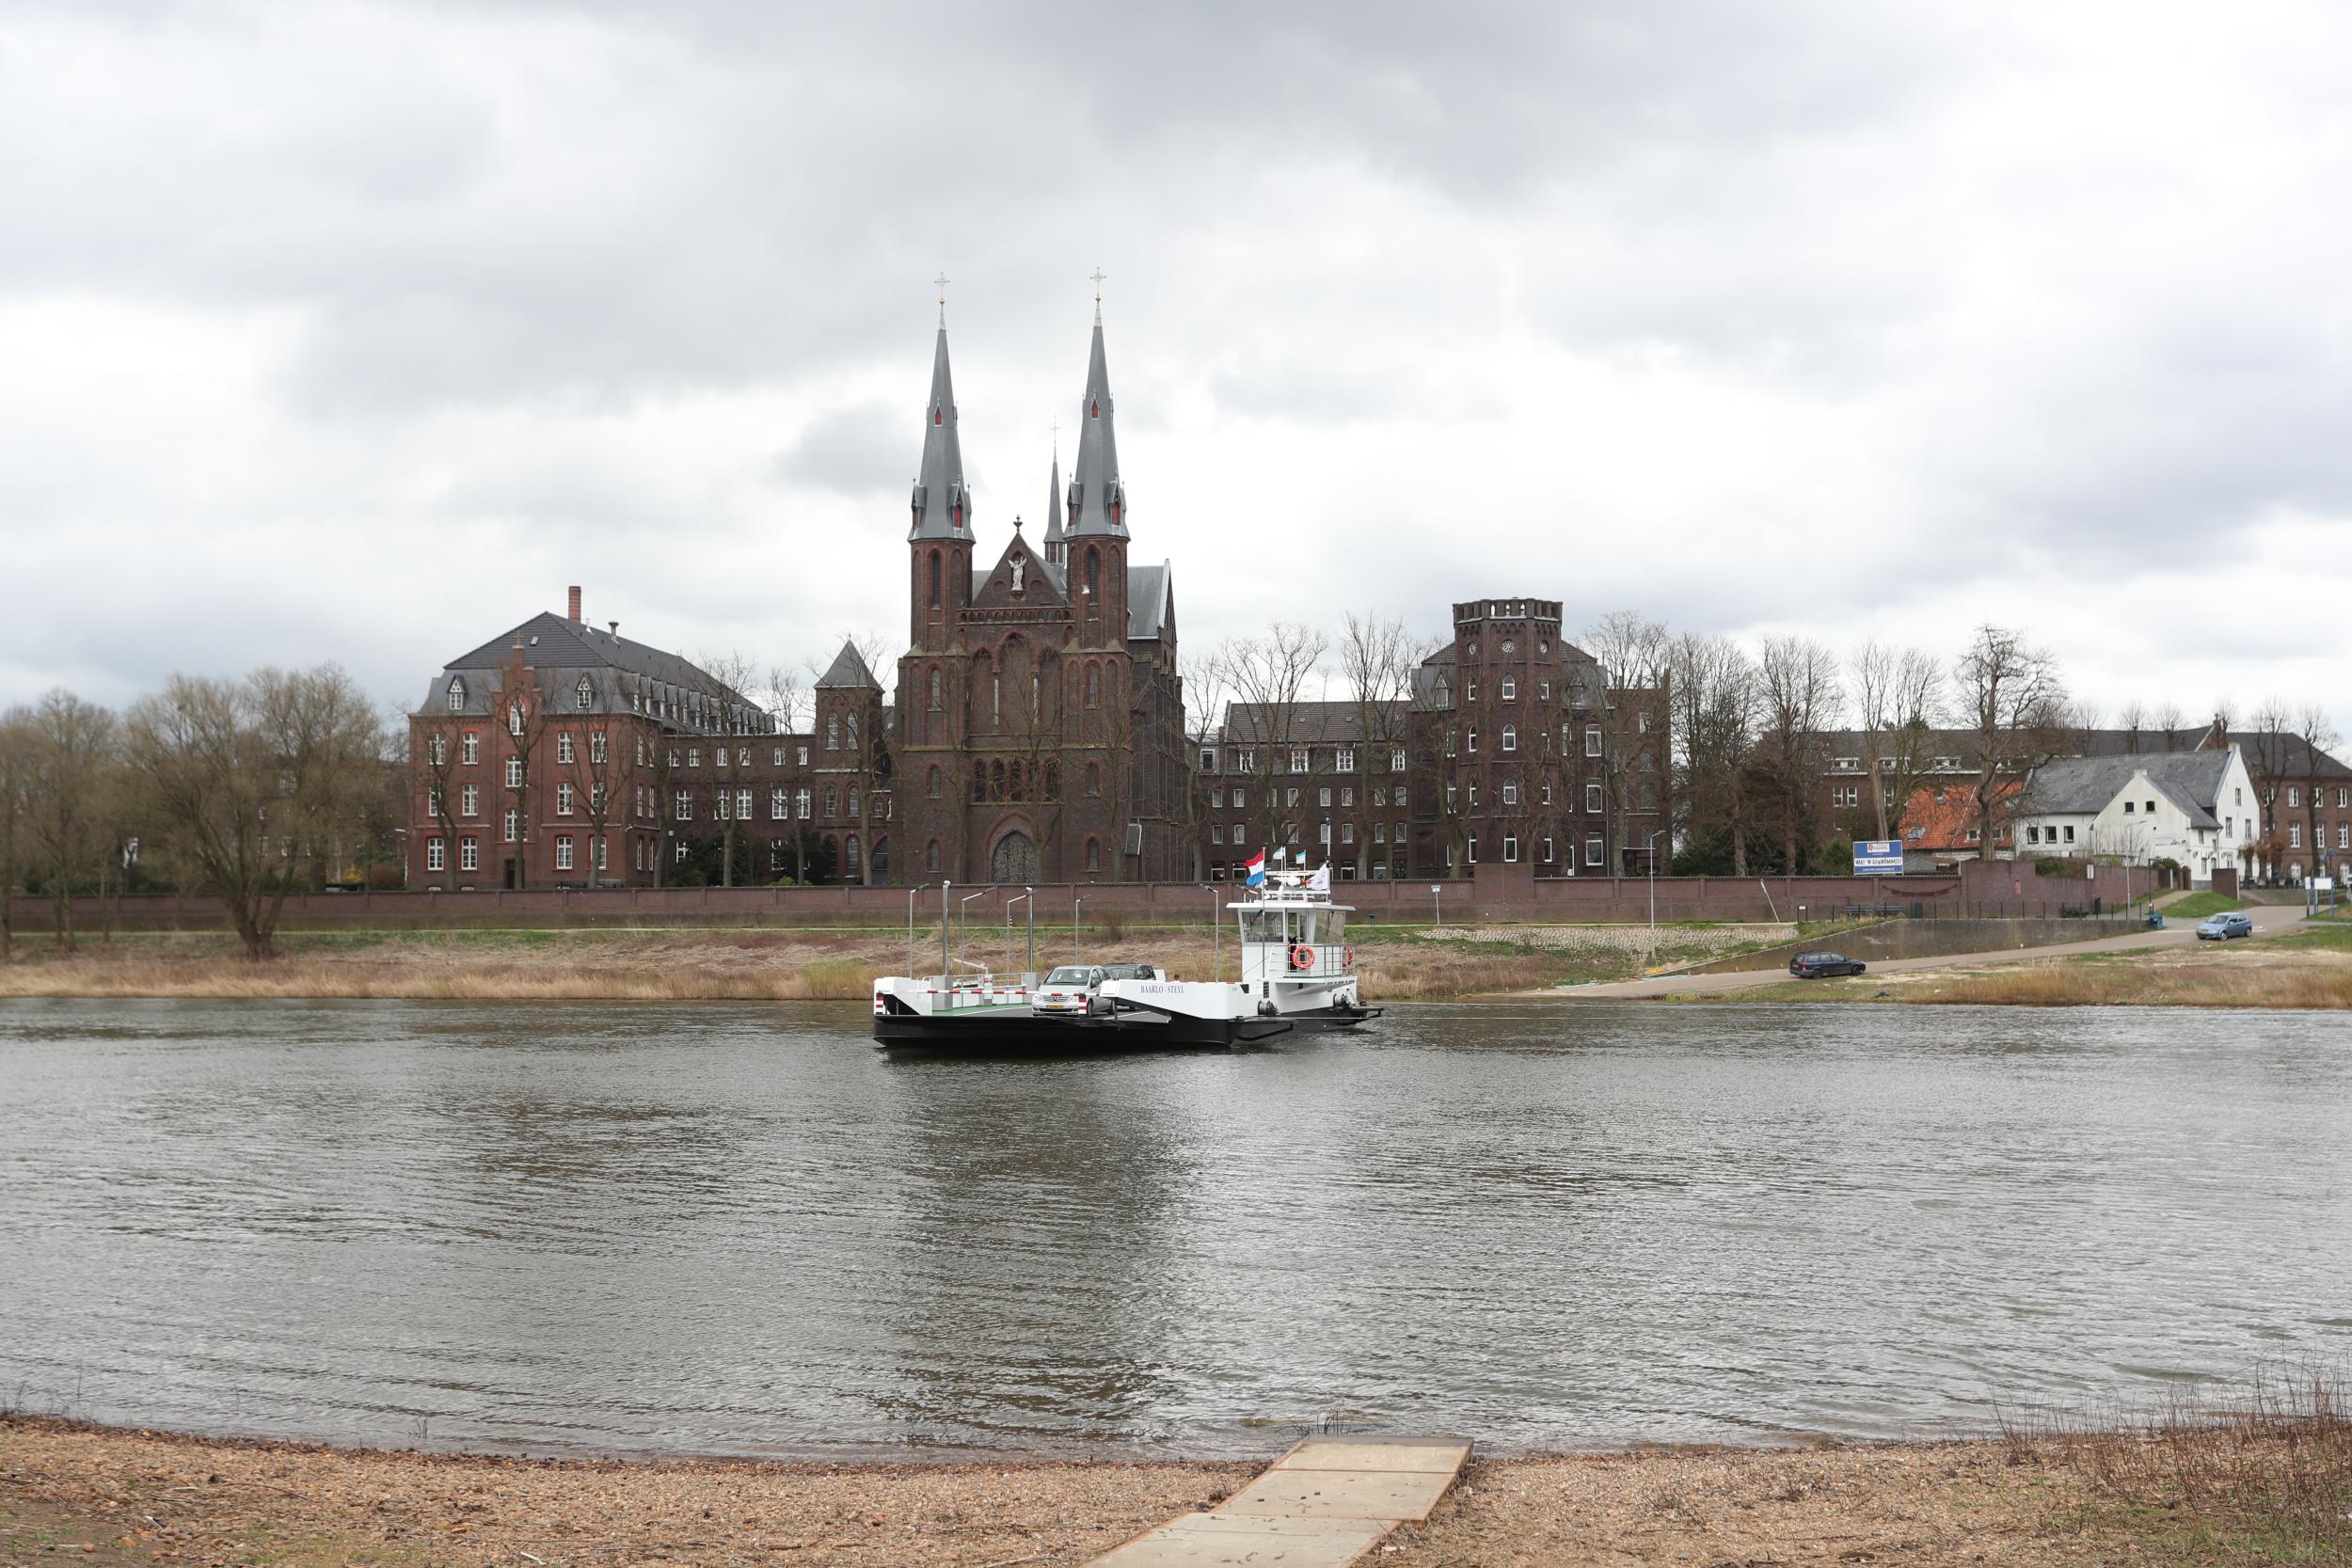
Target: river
[[735, 1229]]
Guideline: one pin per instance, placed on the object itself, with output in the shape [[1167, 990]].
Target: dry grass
[[2265, 1470], [683, 965], [2311, 971]]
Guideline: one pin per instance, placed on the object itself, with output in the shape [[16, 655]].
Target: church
[[1039, 716]]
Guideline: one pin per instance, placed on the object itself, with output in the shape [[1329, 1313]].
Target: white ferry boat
[[1298, 970]]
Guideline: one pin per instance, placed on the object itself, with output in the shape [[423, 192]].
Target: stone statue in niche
[[1019, 563]]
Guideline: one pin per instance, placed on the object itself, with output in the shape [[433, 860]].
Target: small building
[[2198, 809], [1943, 827]]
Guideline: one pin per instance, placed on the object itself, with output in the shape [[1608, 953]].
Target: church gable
[[1021, 580]]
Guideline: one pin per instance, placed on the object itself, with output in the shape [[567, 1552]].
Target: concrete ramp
[[1324, 1504]]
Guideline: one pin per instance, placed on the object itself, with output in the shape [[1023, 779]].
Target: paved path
[[1323, 1505], [2268, 920]]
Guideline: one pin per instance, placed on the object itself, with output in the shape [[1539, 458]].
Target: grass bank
[[2040, 1497], [754, 965], [2308, 968]]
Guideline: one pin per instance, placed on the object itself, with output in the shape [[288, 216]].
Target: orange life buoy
[[1349, 958], [1302, 957]]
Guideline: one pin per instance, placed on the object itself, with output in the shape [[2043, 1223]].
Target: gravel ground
[[112, 1497]]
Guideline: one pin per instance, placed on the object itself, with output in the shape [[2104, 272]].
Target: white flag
[[1321, 880]]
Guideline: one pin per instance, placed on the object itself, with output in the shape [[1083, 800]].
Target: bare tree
[[1631, 651], [16, 784], [71, 748], [2015, 703], [1269, 677], [1377, 659], [2168, 722], [1897, 695], [246, 779], [1713, 692], [2272, 743], [2316, 734], [736, 675], [1800, 693], [2132, 718]]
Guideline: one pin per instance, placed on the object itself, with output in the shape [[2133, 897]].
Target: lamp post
[[911, 892], [966, 920], [1075, 900], [1437, 905], [1028, 896]]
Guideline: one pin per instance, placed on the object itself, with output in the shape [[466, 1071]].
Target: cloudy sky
[[360, 330]]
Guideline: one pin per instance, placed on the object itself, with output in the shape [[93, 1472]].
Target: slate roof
[[2290, 752], [1098, 502], [617, 668], [2082, 786], [848, 668], [942, 508], [1316, 724], [1150, 595]]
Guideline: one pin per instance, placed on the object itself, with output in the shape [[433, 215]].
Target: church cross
[[942, 281], [1098, 285]]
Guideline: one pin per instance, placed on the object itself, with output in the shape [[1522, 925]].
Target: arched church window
[[934, 586], [1094, 686], [1094, 572], [934, 680], [931, 784]]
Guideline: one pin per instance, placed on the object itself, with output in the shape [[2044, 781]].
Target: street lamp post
[[911, 892], [1437, 905], [1216, 931], [1649, 854], [1075, 900], [1028, 896], [966, 916]]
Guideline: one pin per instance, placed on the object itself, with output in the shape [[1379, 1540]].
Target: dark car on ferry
[[1816, 966]]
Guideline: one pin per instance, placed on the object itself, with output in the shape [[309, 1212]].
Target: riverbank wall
[[1926, 938], [1497, 895]]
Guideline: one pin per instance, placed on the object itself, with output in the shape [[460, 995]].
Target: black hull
[[1331, 1018], [1048, 1034]]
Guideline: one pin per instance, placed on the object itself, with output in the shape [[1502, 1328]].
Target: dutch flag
[[1255, 867]]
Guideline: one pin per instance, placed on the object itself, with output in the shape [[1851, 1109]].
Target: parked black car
[[1813, 966]]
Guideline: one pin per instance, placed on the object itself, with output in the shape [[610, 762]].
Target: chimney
[[575, 610], [613, 627]]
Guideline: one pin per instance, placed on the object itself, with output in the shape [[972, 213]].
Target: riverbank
[[1396, 963], [2308, 968], [116, 1498]]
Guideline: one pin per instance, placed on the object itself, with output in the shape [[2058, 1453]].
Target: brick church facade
[[1039, 732]]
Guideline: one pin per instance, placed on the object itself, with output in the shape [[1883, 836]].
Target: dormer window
[[584, 694], [457, 695]]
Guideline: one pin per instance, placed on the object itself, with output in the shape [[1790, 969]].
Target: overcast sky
[[360, 330]]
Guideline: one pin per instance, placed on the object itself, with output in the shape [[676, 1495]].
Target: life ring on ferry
[[1302, 957], [1348, 957]]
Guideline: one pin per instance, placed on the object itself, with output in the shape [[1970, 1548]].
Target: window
[[685, 806], [1245, 760], [1291, 795], [469, 800], [1347, 832], [1473, 746], [1469, 691], [1347, 794], [800, 753], [850, 854], [801, 804], [780, 804], [584, 694], [681, 851], [1380, 832], [1239, 829], [1094, 850], [1640, 721], [931, 856], [1547, 854], [2033, 836], [1094, 781], [433, 803], [2294, 834], [1326, 802], [563, 851], [456, 694], [1591, 741], [514, 718], [1399, 796], [596, 750], [469, 854], [1510, 737], [2069, 831], [720, 758], [1345, 759], [1510, 694], [563, 800], [1543, 694], [1396, 759], [832, 801], [1301, 760], [853, 802], [2344, 797], [438, 749], [1323, 835], [1591, 797], [1449, 743], [2294, 795], [1216, 797], [436, 855], [1239, 804], [1509, 846], [1094, 678], [1510, 794], [693, 757], [1545, 796], [832, 733], [1472, 846], [514, 772], [2344, 835], [930, 784], [1592, 849], [742, 805], [469, 747], [511, 825], [779, 762], [1398, 835], [1473, 793], [1216, 833]]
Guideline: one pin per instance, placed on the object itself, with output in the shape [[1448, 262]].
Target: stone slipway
[[1324, 1504]]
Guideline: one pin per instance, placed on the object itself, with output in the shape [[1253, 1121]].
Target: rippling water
[[733, 1229]]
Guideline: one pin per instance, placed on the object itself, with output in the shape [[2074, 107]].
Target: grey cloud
[[854, 451]]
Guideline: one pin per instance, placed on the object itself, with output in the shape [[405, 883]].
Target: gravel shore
[[106, 1496]]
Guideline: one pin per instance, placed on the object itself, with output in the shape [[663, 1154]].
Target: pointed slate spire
[[1098, 502], [1054, 549], [942, 507]]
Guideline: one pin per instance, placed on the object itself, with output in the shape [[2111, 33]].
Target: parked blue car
[[2221, 928]]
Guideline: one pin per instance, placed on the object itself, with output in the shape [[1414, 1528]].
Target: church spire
[[941, 506], [1056, 551], [1098, 502]]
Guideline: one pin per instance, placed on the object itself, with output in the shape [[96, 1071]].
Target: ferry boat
[[1298, 970]]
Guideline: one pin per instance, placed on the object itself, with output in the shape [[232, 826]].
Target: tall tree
[[526, 708], [1270, 677], [246, 781], [1799, 691], [1713, 692], [1377, 659], [2014, 700], [2271, 740], [73, 747], [1631, 651], [736, 675], [2316, 735], [1898, 696], [16, 782]]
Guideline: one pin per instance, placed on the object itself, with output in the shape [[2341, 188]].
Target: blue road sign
[[1878, 857]]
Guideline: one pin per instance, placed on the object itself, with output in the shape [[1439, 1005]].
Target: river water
[[733, 1229]]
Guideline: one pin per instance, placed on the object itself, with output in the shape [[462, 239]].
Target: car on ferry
[[1069, 989]]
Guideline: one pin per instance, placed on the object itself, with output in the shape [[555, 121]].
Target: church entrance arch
[[1014, 858]]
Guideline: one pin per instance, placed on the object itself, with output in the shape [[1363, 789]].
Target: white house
[[2197, 808]]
